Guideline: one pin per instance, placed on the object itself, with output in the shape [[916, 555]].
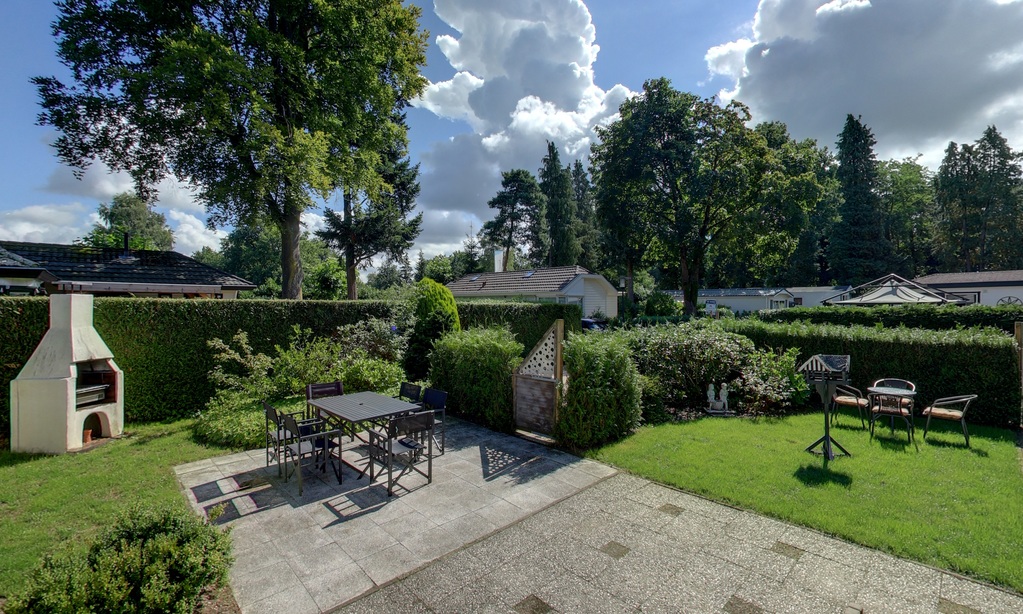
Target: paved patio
[[510, 526]]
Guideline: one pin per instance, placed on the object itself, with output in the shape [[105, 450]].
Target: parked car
[[591, 324]]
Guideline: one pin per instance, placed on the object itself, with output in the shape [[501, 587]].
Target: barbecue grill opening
[[96, 383]]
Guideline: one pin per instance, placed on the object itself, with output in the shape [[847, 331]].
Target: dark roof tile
[[510, 283]]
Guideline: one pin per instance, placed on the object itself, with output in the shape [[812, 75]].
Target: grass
[[934, 501], [51, 501]]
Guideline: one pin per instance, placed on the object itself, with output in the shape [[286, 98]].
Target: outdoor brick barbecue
[[69, 385]]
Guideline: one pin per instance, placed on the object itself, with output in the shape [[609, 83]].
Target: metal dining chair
[[950, 408], [406, 442], [436, 401], [318, 391]]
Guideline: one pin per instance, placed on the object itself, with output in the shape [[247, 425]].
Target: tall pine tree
[[858, 251], [586, 229], [556, 185], [521, 219]]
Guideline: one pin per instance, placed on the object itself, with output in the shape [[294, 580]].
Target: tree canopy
[[556, 185], [260, 105], [129, 214], [521, 219]]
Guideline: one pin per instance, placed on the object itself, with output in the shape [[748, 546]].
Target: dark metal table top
[[361, 406], [889, 390]]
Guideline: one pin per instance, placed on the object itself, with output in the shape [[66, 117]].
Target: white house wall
[[988, 296]]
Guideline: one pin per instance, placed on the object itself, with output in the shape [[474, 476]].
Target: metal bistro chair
[[318, 391], [950, 408], [277, 433], [317, 447], [892, 406], [410, 392], [403, 443], [847, 396], [436, 401]]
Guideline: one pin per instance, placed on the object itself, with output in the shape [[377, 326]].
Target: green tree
[[906, 189], [420, 270], [252, 252], [210, 257], [258, 104], [556, 185], [131, 215], [859, 250], [977, 198], [438, 269], [587, 230], [690, 167], [521, 219], [386, 276], [376, 220]]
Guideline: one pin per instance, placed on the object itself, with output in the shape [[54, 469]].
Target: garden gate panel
[[535, 383]]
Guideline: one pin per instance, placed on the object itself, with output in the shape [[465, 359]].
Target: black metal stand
[[827, 391]]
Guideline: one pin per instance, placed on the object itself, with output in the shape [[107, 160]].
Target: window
[[528, 274]]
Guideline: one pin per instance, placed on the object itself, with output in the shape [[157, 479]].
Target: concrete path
[[509, 526]]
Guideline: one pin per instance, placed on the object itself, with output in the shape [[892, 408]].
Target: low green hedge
[[475, 367], [940, 363], [527, 321], [602, 402], [161, 344], [913, 316]]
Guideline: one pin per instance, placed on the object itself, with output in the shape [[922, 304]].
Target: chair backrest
[[410, 391], [290, 424], [434, 398], [410, 424], [330, 389], [271, 414], [894, 382]]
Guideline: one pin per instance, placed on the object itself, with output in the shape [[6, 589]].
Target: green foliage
[[603, 400], [940, 363], [23, 323], [521, 217], [556, 185], [375, 337], [436, 314], [475, 367], [148, 561], [661, 304], [684, 360], [933, 317], [527, 321], [127, 213]]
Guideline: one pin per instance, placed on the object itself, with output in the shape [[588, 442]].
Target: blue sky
[[520, 72]]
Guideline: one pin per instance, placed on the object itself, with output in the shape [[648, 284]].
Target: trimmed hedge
[[475, 368], [161, 344], [527, 321], [940, 363], [914, 316]]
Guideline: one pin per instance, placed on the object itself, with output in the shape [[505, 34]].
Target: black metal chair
[[318, 391], [410, 392], [406, 441], [847, 396], [892, 406], [950, 408], [312, 445], [436, 401], [277, 433]]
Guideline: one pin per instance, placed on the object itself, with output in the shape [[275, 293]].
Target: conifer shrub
[[475, 367], [147, 561], [436, 314]]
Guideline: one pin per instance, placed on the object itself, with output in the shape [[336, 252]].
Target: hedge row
[[913, 316], [161, 344], [940, 363], [527, 321]]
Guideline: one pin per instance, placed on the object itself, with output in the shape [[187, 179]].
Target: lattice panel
[[541, 361]]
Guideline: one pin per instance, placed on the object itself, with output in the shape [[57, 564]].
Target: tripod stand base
[[826, 442]]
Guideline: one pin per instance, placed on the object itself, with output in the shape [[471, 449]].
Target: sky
[[506, 76]]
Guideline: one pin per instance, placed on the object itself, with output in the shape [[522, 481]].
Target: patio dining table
[[349, 410]]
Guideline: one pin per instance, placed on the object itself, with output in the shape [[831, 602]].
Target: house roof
[[84, 264], [894, 290], [765, 292], [511, 283], [811, 289], [979, 278]]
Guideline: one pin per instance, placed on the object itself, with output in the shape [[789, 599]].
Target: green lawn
[[46, 501], [937, 501]]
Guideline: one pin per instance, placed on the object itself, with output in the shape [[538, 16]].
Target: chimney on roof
[[127, 250]]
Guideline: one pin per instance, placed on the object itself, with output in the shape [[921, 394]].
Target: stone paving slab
[[509, 526], [337, 542]]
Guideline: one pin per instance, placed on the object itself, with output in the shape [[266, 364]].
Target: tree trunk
[[350, 272], [291, 263], [690, 279], [628, 282]]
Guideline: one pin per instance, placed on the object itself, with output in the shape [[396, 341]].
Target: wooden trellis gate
[[535, 383]]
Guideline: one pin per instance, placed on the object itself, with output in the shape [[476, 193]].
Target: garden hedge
[[912, 316], [940, 362], [161, 343]]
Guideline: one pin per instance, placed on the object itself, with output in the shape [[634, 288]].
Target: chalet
[[573, 285]]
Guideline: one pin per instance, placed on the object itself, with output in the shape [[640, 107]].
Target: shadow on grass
[[10, 459], [938, 443], [814, 475]]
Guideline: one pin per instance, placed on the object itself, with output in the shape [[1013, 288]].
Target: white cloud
[[191, 233], [45, 223], [524, 76], [920, 73]]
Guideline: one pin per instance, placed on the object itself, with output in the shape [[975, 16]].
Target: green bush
[[436, 314], [601, 403], [235, 420], [934, 317], [377, 338], [940, 363], [684, 360], [661, 304], [148, 561], [475, 368], [527, 321]]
